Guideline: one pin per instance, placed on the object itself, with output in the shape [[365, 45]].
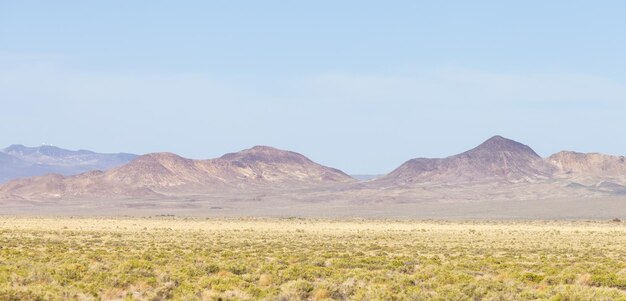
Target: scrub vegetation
[[164, 258]]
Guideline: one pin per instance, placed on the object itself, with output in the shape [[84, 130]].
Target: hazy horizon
[[355, 85]]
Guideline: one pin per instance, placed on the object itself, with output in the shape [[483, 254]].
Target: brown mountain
[[497, 159], [160, 174], [590, 163], [590, 168], [498, 178], [270, 165]]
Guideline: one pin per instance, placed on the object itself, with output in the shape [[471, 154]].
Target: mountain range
[[162, 174], [19, 161], [264, 178]]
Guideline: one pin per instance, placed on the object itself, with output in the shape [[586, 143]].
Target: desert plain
[[176, 258]]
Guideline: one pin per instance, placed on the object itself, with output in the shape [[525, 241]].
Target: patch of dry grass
[[307, 259]]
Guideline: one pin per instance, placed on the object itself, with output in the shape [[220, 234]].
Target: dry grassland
[[308, 259]]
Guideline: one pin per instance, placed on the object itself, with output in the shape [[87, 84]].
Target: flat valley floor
[[328, 206], [163, 258]]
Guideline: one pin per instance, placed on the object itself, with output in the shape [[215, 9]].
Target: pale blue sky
[[357, 85]]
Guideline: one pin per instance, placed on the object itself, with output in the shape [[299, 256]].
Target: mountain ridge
[[167, 173], [37, 161], [498, 168]]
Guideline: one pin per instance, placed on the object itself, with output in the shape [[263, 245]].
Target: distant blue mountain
[[19, 161]]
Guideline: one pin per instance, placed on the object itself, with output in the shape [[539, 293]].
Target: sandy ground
[[600, 208]]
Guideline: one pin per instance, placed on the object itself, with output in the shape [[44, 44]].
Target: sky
[[358, 85]]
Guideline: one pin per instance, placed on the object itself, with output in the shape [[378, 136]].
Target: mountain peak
[[497, 158], [261, 153], [160, 156], [498, 139], [162, 159], [497, 144], [14, 147], [263, 147]]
